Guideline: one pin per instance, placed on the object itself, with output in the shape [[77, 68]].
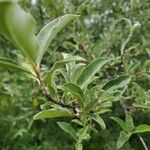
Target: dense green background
[[90, 36]]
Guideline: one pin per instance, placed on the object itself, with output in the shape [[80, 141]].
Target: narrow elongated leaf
[[123, 138], [48, 77], [121, 123], [48, 32], [129, 122], [11, 65], [119, 82], [142, 128], [52, 113], [90, 70], [68, 128], [18, 26], [99, 120]]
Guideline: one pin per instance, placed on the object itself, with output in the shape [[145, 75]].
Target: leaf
[[77, 122], [122, 124], [74, 88], [10, 64], [68, 128], [48, 32], [119, 82], [129, 122], [90, 70], [99, 120], [146, 64], [48, 77], [52, 113], [83, 134], [91, 105], [18, 26], [123, 138], [144, 106], [142, 128], [76, 91]]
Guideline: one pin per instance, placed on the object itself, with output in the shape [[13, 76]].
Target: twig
[[143, 142], [46, 93]]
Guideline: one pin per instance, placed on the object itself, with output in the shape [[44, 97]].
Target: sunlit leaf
[[90, 70], [18, 26], [142, 128], [48, 32], [52, 113]]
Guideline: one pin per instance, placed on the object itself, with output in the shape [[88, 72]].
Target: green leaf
[[122, 124], [123, 138], [146, 64], [119, 82], [10, 64], [91, 105], [129, 122], [74, 88], [18, 26], [49, 76], [142, 128], [90, 70], [76, 91], [145, 106], [48, 32], [52, 113], [83, 134], [68, 128], [99, 120], [77, 122]]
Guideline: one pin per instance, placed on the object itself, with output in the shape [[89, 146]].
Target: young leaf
[[48, 77], [90, 70], [122, 124], [99, 120], [18, 26], [52, 113], [122, 139], [142, 128], [48, 32], [119, 82], [68, 128]]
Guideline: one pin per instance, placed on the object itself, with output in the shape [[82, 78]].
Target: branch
[[143, 142], [46, 93]]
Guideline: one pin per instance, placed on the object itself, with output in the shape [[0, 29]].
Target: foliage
[[111, 81]]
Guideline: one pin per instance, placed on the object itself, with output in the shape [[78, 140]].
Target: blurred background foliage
[[100, 31]]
